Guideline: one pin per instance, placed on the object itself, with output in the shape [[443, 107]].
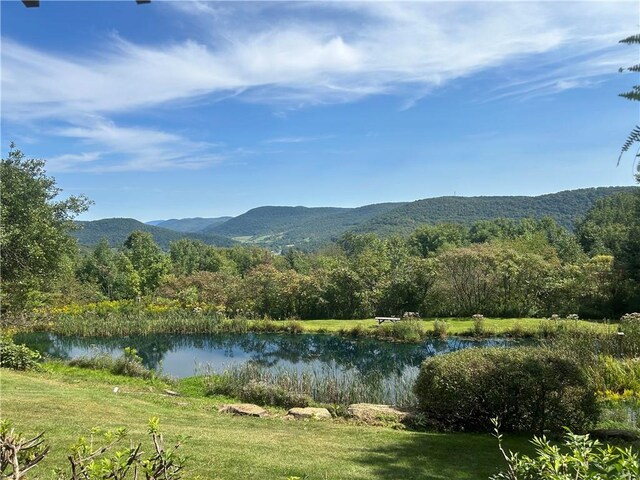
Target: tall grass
[[129, 364], [407, 330], [329, 385], [144, 322]]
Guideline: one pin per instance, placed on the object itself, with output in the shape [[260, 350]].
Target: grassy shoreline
[[225, 447], [187, 322]]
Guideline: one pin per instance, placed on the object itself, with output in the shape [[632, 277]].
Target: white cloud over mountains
[[298, 55]]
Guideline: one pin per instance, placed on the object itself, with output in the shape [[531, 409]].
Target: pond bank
[[143, 322]]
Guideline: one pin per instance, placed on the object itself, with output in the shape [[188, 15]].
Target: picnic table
[[387, 319]]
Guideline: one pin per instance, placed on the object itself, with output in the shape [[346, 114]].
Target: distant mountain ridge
[[310, 227], [565, 207], [194, 225], [116, 231]]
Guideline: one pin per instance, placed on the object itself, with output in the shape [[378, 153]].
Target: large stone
[[371, 413], [248, 409], [309, 412]]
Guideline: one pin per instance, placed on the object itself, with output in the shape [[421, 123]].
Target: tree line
[[508, 268], [501, 267]]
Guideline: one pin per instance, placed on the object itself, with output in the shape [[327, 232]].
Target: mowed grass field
[[66, 402], [456, 326]]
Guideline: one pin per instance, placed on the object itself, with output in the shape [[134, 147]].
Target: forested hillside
[[271, 220], [116, 231], [300, 226], [190, 224], [311, 227], [564, 207]]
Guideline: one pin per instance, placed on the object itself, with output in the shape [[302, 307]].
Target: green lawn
[[457, 326], [67, 402]]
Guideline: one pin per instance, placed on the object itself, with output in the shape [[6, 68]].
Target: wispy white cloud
[[300, 54], [72, 161], [297, 139], [351, 51], [131, 149]]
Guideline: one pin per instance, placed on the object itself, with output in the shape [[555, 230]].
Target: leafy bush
[[129, 364], [18, 454], [630, 326], [585, 342], [18, 357], [440, 328], [530, 389], [358, 330], [90, 461], [409, 330], [265, 394], [615, 375], [479, 325], [582, 459]]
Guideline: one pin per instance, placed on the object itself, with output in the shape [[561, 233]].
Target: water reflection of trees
[[368, 356]]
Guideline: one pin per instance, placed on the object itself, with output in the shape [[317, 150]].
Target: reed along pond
[[186, 355]]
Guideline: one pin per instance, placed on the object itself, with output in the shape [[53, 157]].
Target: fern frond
[[631, 39], [633, 137]]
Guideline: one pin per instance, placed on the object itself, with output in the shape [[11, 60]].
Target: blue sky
[[184, 109]]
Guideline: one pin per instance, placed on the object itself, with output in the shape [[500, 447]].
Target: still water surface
[[183, 355]]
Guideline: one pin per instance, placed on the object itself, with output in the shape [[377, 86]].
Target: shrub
[[18, 357], [584, 342], [357, 330], [129, 364], [530, 389], [90, 461], [18, 454], [266, 394], [615, 375], [518, 330], [582, 459], [440, 328], [409, 330], [479, 325], [630, 326]]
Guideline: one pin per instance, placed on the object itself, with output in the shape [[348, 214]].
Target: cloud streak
[[123, 149], [296, 55]]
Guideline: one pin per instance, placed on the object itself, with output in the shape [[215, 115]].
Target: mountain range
[[310, 227], [116, 231]]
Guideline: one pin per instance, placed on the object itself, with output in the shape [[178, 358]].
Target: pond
[[185, 355]]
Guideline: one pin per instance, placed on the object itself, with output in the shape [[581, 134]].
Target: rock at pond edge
[[368, 412], [309, 412], [247, 409]]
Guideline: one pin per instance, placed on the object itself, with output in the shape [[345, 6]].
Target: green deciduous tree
[[427, 239], [189, 256], [34, 238], [112, 271], [148, 261], [606, 227]]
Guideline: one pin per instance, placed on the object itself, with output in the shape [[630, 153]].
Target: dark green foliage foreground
[[66, 405], [577, 458]]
